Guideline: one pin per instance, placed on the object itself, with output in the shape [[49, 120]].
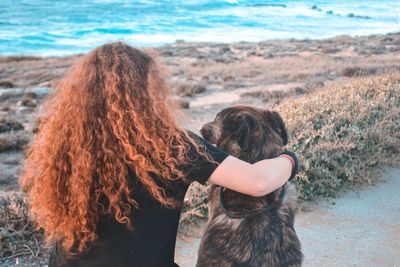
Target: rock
[[332, 74], [8, 59], [214, 78], [268, 55], [387, 39], [329, 50], [357, 71], [45, 84], [39, 91], [254, 53], [190, 89], [23, 110], [183, 104], [300, 90], [228, 78], [6, 84], [180, 103], [31, 95], [167, 54], [19, 92], [315, 7], [11, 93], [7, 125], [28, 102], [15, 141], [252, 73], [224, 49], [5, 108], [351, 15], [220, 60], [329, 12]]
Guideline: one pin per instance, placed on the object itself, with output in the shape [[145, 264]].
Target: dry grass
[[18, 237], [195, 205], [345, 135]]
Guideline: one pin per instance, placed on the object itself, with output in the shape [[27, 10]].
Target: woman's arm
[[258, 179]]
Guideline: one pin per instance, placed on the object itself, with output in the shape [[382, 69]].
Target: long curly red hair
[[108, 116]]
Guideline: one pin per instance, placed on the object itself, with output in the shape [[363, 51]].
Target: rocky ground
[[205, 78]]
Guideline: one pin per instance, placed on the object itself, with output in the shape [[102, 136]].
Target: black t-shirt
[[151, 242]]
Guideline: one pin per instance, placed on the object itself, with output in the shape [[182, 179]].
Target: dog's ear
[[207, 132], [276, 122]]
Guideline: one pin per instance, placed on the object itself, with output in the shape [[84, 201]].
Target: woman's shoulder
[[204, 158]]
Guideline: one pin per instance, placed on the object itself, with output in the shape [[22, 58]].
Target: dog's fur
[[266, 239]]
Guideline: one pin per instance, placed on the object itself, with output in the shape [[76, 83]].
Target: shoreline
[[203, 43], [338, 47]]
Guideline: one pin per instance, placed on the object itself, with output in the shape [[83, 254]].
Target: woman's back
[[151, 242]]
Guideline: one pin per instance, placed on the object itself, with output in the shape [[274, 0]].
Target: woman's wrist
[[292, 157]]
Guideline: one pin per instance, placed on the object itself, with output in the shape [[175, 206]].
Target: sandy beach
[[204, 78]]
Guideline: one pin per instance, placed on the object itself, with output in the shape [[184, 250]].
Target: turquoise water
[[40, 27]]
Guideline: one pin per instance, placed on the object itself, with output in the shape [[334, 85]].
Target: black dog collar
[[296, 166], [250, 213]]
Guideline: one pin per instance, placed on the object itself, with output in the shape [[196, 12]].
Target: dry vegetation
[[18, 237], [345, 135]]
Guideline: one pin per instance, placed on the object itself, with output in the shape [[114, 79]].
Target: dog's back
[[267, 239], [263, 239]]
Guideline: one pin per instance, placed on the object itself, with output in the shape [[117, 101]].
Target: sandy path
[[360, 229]]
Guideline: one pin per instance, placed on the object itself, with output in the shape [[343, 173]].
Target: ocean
[[53, 27]]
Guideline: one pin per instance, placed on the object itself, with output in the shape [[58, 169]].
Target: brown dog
[[242, 230]]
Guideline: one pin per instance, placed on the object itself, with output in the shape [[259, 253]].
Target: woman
[[109, 168]]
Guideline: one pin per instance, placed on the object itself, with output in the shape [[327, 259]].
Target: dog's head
[[248, 133]]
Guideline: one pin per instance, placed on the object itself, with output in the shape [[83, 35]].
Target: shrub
[[345, 135], [18, 236]]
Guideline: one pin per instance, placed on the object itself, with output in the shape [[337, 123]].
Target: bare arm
[[258, 179]]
